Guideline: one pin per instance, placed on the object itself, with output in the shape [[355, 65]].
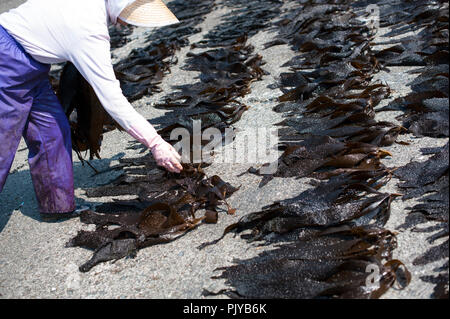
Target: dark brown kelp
[[142, 71], [87, 117], [245, 19], [226, 75], [427, 106], [119, 35], [334, 229], [428, 19], [330, 126], [333, 264], [428, 182], [164, 210], [425, 177], [165, 206], [323, 157], [441, 281], [426, 113], [341, 200]]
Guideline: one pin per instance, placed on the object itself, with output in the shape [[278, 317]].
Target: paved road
[[35, 264], [6, 5]]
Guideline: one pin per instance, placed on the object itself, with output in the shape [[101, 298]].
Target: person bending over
[[39, 33]]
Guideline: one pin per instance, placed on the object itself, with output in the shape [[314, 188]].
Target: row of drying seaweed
[[141, 72], [327, 244], [245, 18], [227, 67], [329, 96], [166, 203], [226, 74], [338, 247], [425, 113], [164, 209], [428, 183], [426, 108]]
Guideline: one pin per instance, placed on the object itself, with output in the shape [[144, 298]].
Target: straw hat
[[148, 13]]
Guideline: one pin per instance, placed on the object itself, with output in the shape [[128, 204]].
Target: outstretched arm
[[92, 58]]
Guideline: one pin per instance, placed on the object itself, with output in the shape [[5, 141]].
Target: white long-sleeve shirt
[[54, 31]]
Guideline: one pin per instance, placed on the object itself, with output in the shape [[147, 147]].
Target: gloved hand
[[164, 153], [166, 156]]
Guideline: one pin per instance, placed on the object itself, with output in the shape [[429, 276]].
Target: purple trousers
[[30, 108]]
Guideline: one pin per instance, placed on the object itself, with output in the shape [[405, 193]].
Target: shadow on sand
[[18, 193]]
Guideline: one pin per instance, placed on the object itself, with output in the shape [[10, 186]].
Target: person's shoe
[[53, 217]]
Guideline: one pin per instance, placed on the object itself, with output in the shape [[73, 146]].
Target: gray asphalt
[[6, 5], [35, 264]]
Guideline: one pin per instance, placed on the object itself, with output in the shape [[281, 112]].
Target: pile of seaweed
[[334, 264], [165, 209], [331, 243], [337, 244], [87, 117]]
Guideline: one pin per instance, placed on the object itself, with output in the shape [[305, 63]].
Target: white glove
[[166, 156], [164, 153]]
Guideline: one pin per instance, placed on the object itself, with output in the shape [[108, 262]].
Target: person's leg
[[13, 116], [47, 134], [18, 77]]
